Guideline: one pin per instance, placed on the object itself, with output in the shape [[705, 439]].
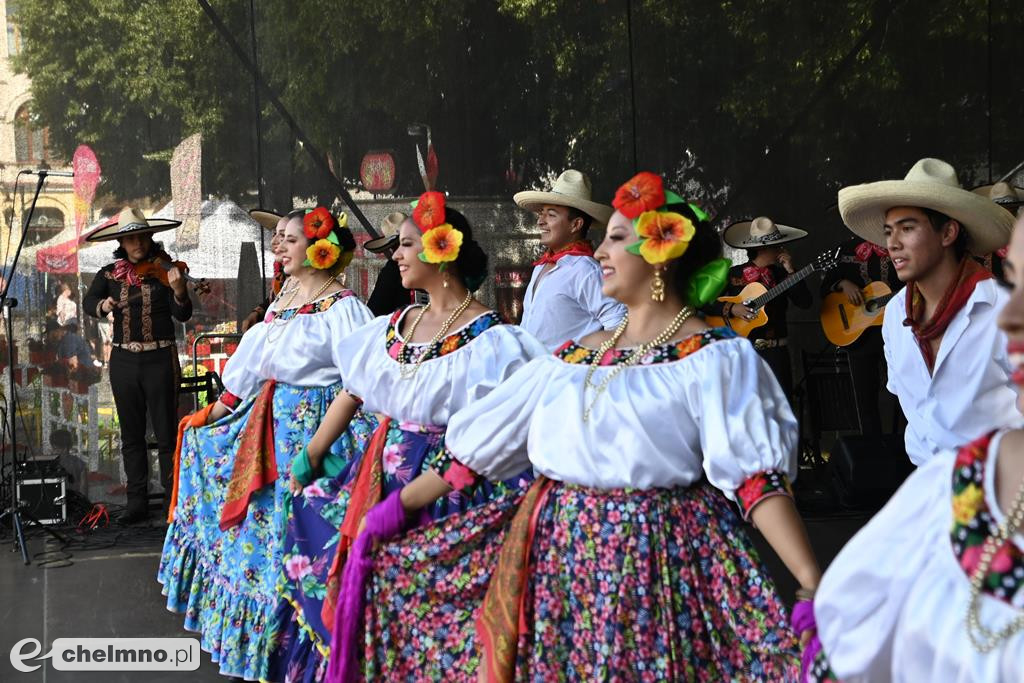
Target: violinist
[[145, 298]]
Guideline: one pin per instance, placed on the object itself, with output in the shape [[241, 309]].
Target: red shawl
[[960, 290]]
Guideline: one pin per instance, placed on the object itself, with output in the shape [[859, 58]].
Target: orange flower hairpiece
[[318, 223], [441, 241], [664, 234], [322, 254], [428, 211], [642, 192]]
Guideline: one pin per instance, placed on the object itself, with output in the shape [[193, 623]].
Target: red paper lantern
[[378, 172]]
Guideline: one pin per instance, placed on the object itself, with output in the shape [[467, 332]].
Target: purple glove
[[802, 620], [385, 520]]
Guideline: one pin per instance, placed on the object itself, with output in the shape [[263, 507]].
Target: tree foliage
[[751, 106]]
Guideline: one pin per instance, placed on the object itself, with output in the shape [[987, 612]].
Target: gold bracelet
[[804, 594]]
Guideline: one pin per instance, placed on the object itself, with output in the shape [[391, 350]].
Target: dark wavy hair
[[154, 249], [704, 248], [471, 264]]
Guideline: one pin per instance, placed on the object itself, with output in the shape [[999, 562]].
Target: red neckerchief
[[278, 280], [864, 251], [755, 273], [579, 248], [960, 290], [124, 271]]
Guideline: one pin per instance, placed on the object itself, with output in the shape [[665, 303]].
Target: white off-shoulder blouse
[[467, 365], [893, 604], [297, 346], [706, 406]]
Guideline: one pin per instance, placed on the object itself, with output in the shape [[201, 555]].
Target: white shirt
[[892, 605], [718, 412], [66, 309], [970, 391], [567, 302]]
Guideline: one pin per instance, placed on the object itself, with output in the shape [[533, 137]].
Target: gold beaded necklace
[[403, 368], [638, 352], [983, 639], [274, 322]]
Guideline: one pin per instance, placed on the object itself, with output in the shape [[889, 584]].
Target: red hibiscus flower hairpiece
[[428, 212], [642, 192], [318, 223]]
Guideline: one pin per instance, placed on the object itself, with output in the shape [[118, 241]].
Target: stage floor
[[110, 590]]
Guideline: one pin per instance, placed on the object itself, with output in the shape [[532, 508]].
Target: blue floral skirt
[[225, 581], [299, 639]]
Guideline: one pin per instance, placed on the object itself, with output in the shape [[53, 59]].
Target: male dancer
[[564, 299], [947, 359]]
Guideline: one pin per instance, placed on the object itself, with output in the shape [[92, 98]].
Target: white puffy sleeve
[[241, 374], [748, 434], [493, 357], [344, 318], [354, 356], [862, 595], [490, 435]]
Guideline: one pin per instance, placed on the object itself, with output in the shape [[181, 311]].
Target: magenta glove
[[802, 620], [385, 520]]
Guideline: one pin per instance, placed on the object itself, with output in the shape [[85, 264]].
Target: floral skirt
[[225, 581], [300, 642], [657, 585]]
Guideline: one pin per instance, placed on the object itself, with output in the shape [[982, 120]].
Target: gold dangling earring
[[657, 287], [445, 283]]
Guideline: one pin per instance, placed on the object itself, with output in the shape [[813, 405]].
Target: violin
[[159, 266]]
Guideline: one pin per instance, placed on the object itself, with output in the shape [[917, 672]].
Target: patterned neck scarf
[[956, 296], [578, 248], [755, 273], [864, 251], [124, 271]]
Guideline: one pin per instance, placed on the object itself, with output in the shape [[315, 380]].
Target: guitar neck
[[782, 287]]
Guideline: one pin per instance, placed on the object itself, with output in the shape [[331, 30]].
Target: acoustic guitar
[[755, 295], [844, 323]]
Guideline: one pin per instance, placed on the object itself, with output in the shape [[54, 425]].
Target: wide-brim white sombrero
[[130, 222], [760, 232], [388, 233], [572, 188], [930, 184], [268, 219], [1004, 194]]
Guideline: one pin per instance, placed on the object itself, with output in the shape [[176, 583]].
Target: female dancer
[[222, 554], [626, 559], [417, 368], [932, 589]]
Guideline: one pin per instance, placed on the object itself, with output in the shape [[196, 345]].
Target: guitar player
[[860, 263], [768, 263]]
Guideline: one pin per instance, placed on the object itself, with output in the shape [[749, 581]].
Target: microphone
[[46, 171]]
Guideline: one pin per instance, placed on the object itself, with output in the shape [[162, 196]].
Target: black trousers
[[145, 385]]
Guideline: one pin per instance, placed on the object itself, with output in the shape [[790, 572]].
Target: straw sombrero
[[388, 233], [572, 188], [130, 222], [1003, 194], [268, 219], [760, 232], [930, 184]]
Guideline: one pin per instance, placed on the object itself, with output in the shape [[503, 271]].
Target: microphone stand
[[7, 304]]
